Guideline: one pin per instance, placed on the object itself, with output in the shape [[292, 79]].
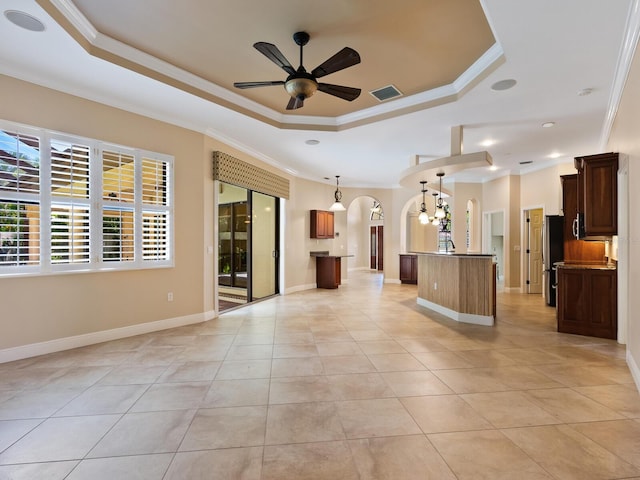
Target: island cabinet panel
[[408, 268], [587, 302], [322, 224], [459, 286]]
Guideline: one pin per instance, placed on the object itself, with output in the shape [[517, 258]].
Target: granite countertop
[[454, 254], [585, 266], [326, 254]]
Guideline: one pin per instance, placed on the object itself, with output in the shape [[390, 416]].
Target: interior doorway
[[376, 247], [533, 267], [493, 240], [248, 228]]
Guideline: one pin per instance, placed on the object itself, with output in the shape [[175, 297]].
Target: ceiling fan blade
[[257, 84], [272, 53], [346, 57], [346, 93], [294, 103]]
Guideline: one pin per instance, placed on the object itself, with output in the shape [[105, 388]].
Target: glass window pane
[[117, 235], [117, 176], [155, 236], [69, 170], [19, 233], [154, 182], [69, 234], [19, 163]]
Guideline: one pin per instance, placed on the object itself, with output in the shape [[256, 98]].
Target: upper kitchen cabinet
[[321, 224], [597, 195], [576, 251]]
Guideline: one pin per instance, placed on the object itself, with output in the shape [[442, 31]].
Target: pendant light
[[440, 209], [434, 220], [337, 195], [424, 216]]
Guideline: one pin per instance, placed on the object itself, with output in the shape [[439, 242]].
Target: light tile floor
[[354, 383]]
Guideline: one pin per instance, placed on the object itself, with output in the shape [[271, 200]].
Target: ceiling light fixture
[[440, 210], [585, 91], [487, 143], [337, 195], [548, 124], [434, 220], [503, 85], [312, 142], [424, 216], [24, 20]]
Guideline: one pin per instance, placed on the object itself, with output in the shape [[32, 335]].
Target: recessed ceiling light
[[548, 124], [503, 85], [493, 168], [585, 91], [24, 20], [487, 143], [526, 162], [312, 142], [555, 155]]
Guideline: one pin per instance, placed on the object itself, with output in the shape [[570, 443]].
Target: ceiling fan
[[301, 84]]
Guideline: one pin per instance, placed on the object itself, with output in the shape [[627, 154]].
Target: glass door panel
[[264, 250]]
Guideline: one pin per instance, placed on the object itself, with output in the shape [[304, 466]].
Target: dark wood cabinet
[[597, 202], [408, 268], [328, 271], [587, 302], [576, 251], [322, 225]]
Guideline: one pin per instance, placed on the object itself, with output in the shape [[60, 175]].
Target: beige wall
[[76, 304], [37, 309], [542, 189], [626, 140]]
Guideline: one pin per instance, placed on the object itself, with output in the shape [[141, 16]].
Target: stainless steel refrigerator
[[552, 252]]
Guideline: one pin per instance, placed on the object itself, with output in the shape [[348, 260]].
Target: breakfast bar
[[459, 286]]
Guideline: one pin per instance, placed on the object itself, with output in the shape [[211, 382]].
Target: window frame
[[49, 202]]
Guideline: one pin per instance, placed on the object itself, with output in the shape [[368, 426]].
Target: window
[[69, 203]]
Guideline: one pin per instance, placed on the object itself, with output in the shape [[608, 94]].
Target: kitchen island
[[460, 286]]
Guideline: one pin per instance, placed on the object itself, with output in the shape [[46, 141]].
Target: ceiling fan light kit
[[301, 84]]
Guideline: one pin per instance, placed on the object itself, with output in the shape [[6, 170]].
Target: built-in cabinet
[[586, 284], [597, 195], [322, 225], [408, 268], [587, 302], [576, 251]]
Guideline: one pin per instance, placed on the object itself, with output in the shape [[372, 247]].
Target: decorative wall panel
[[242, 174]]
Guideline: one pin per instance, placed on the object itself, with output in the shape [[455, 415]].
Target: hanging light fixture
[[424, 216], [434, 220], [337, 195], [440, 209]]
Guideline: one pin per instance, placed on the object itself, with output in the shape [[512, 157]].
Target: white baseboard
[[486, 320], [392, 280], [60, 344], [634, 369], [512, 289], [300, 288]]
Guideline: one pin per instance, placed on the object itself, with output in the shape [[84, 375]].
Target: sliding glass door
[[247, 246], [264, 245]]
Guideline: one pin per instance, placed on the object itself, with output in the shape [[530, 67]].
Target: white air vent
[[386, 93]]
